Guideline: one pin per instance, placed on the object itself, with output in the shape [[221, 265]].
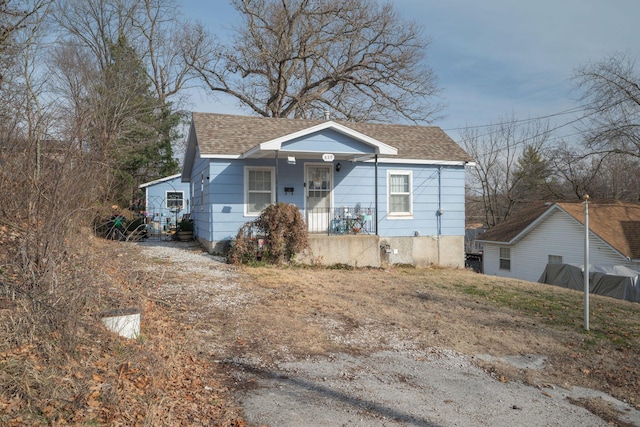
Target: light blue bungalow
[[370, 193], [166, 200]]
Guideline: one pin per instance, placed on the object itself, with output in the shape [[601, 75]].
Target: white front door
[[318, 204]]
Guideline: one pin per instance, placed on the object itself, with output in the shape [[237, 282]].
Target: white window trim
[[246, 187], [557, 258], [166, 198], [201, 191], [500, 258], [400, 215]]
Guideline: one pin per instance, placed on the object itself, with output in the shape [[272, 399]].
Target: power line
[[546, 132], [580, 108]]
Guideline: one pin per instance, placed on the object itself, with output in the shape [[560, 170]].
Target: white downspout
[[440, 211]]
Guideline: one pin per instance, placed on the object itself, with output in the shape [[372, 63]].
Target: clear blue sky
[[494, 58]]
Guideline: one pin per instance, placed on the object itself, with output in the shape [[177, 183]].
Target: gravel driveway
[[398, 386]]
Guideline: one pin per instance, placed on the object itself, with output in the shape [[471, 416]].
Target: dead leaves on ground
[[150, 381]]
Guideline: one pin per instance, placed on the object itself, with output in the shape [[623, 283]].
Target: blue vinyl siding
[[425, 218], [354, 183], [433, 187], [327, 141], [156, 199], [226, 188], [200, 211]]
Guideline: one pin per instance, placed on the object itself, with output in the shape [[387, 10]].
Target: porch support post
[[376, 186], [276, 177]]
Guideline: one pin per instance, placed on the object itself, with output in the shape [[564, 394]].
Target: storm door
[[318, 192]]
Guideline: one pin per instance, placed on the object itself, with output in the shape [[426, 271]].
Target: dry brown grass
[[193, 319], [105, 379], [299, 312]]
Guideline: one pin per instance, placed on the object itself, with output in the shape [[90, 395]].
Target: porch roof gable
[[159, 181], [280, 143]]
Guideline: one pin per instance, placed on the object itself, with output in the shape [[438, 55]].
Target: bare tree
[[44, 189], [163, 38], [299, 58], [606, 175], [17, 20], [611, 93], [621, 178], [576, 170], [94, 25], [120, 68], [152, 28], [499, 173], [14, 17]]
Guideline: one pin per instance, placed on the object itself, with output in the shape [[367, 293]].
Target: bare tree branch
[[298, 58], [611, 93], [500, 170]]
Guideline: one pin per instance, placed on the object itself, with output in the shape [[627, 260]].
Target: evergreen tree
[[137, 130], [532, 175]]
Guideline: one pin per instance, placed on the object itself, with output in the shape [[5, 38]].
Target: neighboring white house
[[553, 233]]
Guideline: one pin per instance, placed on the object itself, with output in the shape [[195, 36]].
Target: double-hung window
[[175, 199], [505, 259], [259, 185], [399, 193]]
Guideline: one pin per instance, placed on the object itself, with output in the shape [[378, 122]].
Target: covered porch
[[337, 196], [342, 220]]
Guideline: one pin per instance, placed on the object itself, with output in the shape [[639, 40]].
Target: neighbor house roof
[[158, 181], [223, 134], [616, 223]]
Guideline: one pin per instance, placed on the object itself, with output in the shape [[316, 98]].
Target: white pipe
[[586, 262]]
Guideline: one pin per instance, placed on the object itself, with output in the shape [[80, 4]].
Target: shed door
[[319, 186]]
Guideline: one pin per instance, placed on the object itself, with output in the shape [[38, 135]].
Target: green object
[[186, 225]]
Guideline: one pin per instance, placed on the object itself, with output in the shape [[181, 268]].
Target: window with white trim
[[505, 259], [399, 184], [555, 259], [175, 199], [259, 186]]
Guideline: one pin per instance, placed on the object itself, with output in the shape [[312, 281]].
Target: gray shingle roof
[[232, 135]]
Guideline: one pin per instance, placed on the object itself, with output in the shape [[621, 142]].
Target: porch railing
[[341, 220]]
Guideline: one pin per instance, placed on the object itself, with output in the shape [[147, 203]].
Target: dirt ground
[[395, 346]]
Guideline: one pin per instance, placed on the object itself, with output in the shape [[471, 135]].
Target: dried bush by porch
[[280, 228]]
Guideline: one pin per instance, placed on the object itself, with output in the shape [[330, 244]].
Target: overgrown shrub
[[244, 248], [274, 237], [135, 225], [120, 225]]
